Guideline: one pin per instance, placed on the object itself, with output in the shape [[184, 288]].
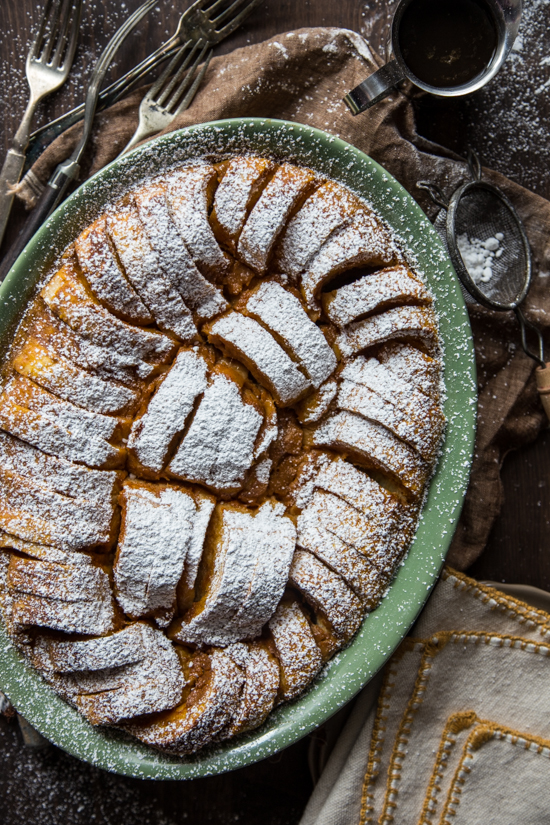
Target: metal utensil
[[207, 21], [68, 171], [491, 255], [172, 93], [49, 60]]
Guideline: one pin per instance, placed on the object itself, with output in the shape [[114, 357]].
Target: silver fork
[[67, 171], [204, 19], [172, 93], [48, 63]]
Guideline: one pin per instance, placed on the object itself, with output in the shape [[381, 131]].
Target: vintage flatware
[[204, 20], [172, 93], [49, 61], [68, 171]]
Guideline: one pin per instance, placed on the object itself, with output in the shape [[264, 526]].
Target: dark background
[[506, 123]]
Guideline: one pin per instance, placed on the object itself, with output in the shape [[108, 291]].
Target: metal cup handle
[[374, 88]]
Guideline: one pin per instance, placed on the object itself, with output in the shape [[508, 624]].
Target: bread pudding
[[218, 420]]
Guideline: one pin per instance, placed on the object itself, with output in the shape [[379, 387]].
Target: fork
[[68, 170], [49, 60], [204, 19], [172, 93]]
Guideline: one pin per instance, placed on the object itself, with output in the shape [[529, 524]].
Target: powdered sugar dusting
[[219, 445], [401, 322], [168, 410], [263, 353], [284, 316], [373, 292], [212, 573], [156, 532]]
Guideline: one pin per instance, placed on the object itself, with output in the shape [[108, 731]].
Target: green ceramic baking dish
[[382, 631]]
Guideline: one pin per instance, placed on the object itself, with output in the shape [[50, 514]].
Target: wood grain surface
[[506, 123]]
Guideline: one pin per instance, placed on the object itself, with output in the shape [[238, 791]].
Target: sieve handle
[[542, 374]]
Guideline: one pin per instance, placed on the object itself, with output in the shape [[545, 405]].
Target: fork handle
[[50, 198], [9, 177]]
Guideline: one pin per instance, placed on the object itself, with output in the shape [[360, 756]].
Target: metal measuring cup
[[506, 17], [478, 211]]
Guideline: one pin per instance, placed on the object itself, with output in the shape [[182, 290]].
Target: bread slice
[[323, 212], [299, 657], [156, 531], [371, 390], [39, 515], [69, 299], [288, 187], [132, 672], [26, 393], [71, 383], [210, 702], [413, 366], [283, 315], [70, 597], [375, 446], [275, 536], [190, 194], [142, 267], [100, 266], [41, 432], [218, 448], [261, 683], [326, 591], [372, 293], [247, 341], [361, 242], [63, 343], [354, 567], [243, 575], [240, 187], [407, 323], [154, 431], [203, 298]]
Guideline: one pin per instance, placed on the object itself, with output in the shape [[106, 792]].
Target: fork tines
[[174, 83], [55, 41], [226, 13]]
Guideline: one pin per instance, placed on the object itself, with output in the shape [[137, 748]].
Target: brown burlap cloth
[[303, 76]]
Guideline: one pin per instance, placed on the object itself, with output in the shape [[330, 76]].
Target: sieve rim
[[456, 257]]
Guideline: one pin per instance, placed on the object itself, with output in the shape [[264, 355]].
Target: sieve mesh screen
[[483, 220]]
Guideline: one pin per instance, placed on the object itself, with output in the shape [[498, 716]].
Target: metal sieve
[[491, 255]]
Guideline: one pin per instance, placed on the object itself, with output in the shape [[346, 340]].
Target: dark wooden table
[[506, 124]]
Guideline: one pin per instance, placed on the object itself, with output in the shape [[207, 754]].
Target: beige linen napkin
[[503, 773], [303, 76], [434, 691], [501, 678]]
